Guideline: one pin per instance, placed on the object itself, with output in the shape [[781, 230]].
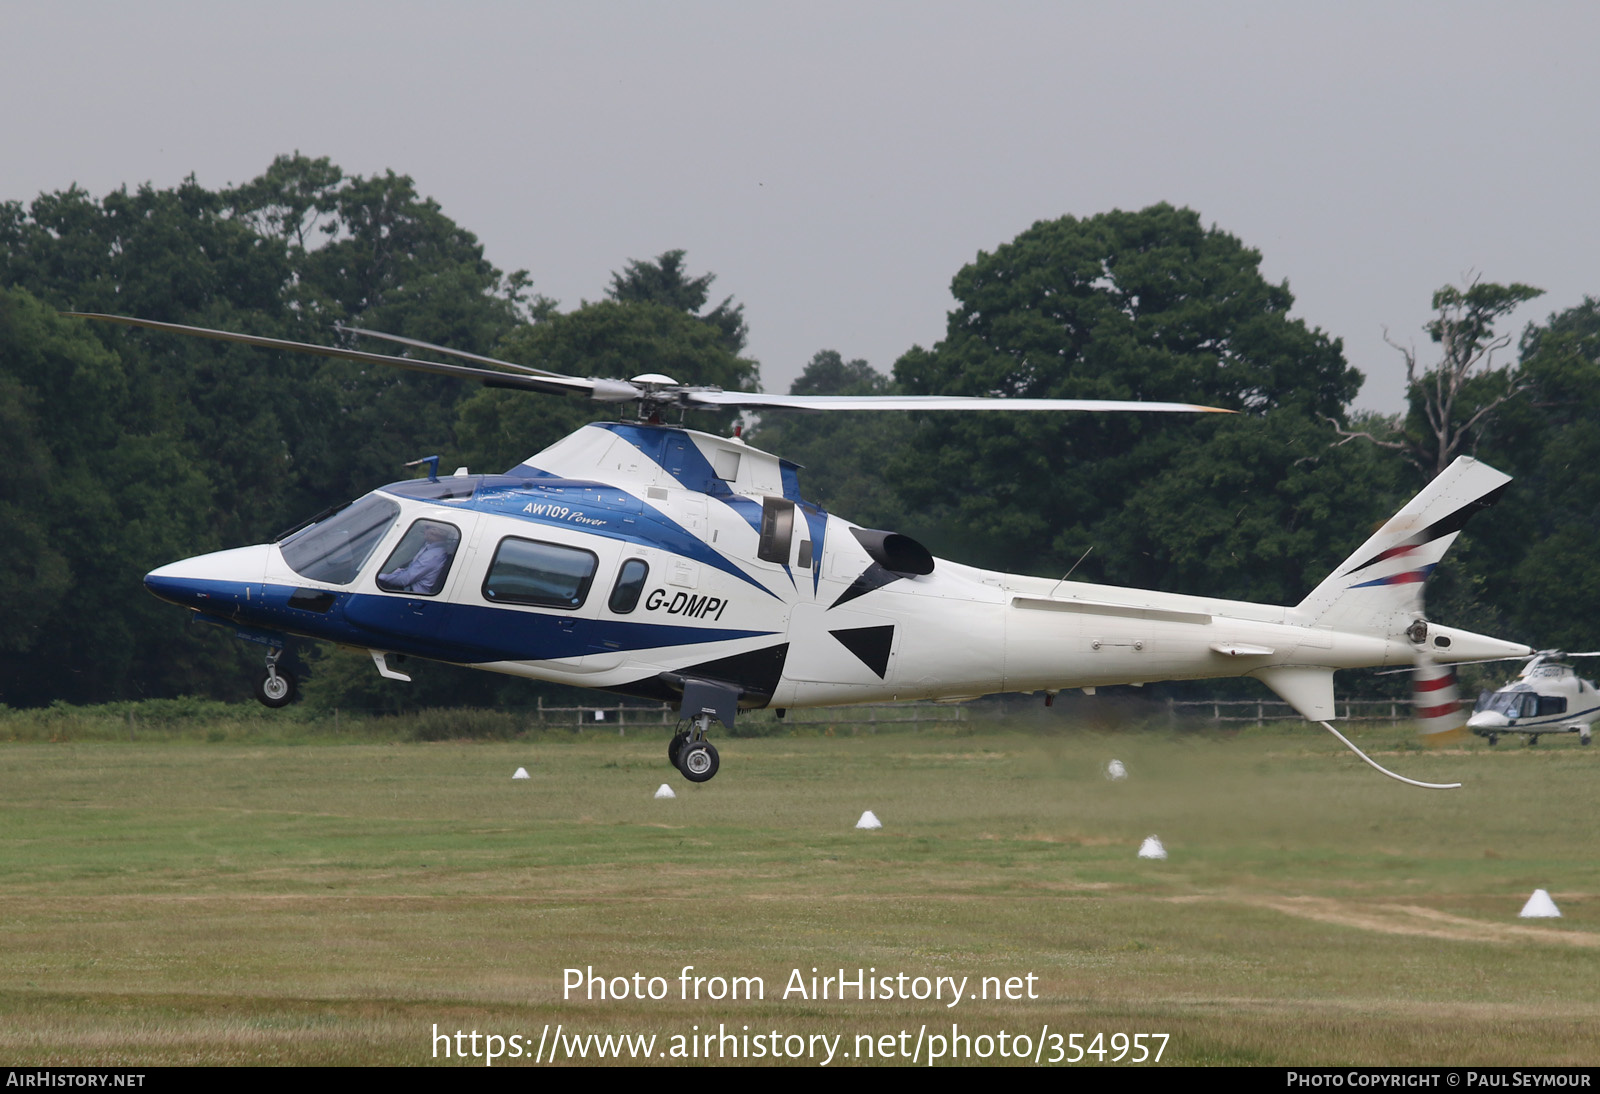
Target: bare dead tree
[[1455, 399]]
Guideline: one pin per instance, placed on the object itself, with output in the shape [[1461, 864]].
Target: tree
[[842, 456], [1539, 568], [665, 282], [1454, 402], [100, 494], [1259, 508], [289, 200], [159, 447], [1147, 305]]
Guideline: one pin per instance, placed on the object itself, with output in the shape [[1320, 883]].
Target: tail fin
[[1379, 588]]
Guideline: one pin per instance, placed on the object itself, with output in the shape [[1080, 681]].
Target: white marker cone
[[522, 773], [869, 819], [665, 792], [1151, 848], [1115, 770], [1540, 906]]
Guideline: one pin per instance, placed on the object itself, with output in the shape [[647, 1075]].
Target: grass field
[[330, 900]]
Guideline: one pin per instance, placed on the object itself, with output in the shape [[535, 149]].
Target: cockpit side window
[[630, 583], [335, 550], [421, 561]]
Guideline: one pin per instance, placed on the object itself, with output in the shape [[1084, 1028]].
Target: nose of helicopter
[[212, 583], [1488, 719]]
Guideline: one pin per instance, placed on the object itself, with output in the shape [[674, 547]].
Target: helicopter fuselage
[[636, 558], [1547, 697]]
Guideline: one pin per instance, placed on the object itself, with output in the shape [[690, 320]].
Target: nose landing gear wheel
[[698, 762], [276, 688]]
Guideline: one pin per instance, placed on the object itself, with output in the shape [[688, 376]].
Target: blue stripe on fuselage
[[817, 521], [603, 510], [1540, 721], [675, 452], [440, 630]]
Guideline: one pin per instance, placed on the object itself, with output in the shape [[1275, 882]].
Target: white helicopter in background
[[1548, 696], [656, 561]]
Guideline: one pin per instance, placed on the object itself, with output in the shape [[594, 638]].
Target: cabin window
[[421, 562], [1552, 704], [630, 583], [335, 550], [777, 530], [547, 575], [1513, 704]]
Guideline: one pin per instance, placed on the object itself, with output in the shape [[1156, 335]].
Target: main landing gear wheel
[[698, 761], [691, 753], [276, 688]]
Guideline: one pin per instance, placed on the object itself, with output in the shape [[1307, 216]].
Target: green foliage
[[1538, 567], [1466, 319], [1262, 508], [665, 282], [1454, 402], [140, 448], [346, 680], [104, 496], [465, 724], [1148, 305], [842, 456]]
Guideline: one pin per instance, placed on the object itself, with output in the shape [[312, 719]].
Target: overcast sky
[[836, 164]]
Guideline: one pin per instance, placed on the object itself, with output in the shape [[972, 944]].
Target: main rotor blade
[[743, 400], [461, 353], [605, 390]]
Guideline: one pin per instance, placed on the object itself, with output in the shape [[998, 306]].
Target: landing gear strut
[[702, 701], [692, 754], [276, 687]]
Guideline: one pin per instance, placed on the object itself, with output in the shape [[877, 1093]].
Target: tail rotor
[[1441, 716]]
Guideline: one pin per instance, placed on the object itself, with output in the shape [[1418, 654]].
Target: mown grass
[[312, 896]]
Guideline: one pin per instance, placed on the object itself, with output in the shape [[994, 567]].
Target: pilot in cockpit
[[424, 573]]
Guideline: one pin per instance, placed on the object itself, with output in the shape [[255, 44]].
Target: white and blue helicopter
[[661, 562], [1548, 696]]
